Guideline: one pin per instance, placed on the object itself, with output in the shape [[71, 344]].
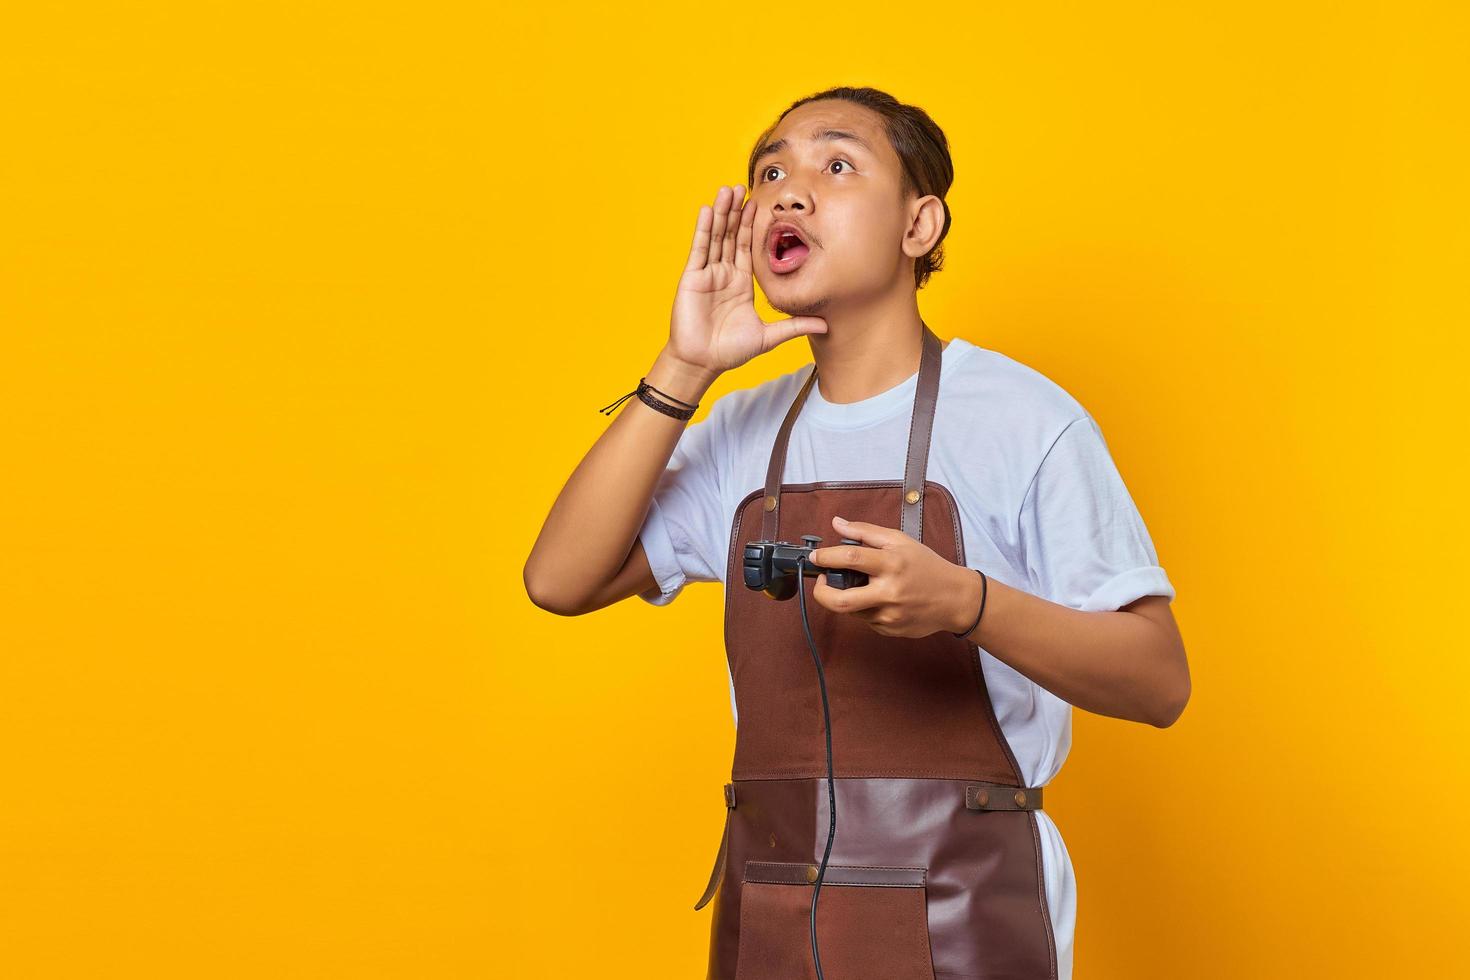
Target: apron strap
[[718, 872], [921, 426], [991, 796]]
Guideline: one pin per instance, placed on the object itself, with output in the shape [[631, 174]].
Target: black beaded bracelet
[[984, 589], [653, 402]]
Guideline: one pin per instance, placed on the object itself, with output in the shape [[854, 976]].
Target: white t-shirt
[[1042, 509]]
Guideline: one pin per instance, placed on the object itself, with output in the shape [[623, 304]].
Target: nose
[[792, 198]]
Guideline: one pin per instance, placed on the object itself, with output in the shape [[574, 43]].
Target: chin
[[796, 299], [815, 306]]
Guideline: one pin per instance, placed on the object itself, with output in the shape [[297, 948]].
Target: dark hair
[[921, 148]]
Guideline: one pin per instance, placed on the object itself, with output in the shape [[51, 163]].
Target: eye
[[765, 174]]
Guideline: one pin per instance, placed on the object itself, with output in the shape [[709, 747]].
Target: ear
[[926, 226]]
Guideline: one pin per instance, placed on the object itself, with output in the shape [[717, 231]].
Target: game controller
[[770, 567]]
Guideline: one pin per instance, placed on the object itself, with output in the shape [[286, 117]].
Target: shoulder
[[998, 377], [1012, 401]]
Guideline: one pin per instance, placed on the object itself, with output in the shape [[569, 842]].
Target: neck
[[869, 350]]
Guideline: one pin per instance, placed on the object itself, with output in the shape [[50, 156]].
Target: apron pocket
[[872, 922]]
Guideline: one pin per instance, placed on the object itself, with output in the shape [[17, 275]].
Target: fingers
[[872, 535], [852, 601], [850, 556], [717, 233], [699, 248], [732, 230], [722, 218], [723, 231], [745, 232]]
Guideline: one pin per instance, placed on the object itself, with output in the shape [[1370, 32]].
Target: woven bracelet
[[652, 401]]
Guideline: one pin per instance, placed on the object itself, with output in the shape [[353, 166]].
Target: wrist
[[970, 593], [679, 379]]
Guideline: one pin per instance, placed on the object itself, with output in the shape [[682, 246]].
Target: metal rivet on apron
[[912, 497], [770, 503], [982, 797], [811, 872], [1020, 798]]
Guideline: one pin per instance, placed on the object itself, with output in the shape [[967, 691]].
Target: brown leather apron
[[935, 870]]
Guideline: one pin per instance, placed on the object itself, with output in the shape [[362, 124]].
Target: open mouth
[[787, 250]]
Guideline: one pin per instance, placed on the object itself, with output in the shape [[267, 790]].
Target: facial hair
[[811, 307]]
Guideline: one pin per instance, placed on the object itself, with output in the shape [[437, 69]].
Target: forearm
[[591, 526], [1119, 664]]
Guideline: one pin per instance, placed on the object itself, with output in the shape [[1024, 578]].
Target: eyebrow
[[823, 134]]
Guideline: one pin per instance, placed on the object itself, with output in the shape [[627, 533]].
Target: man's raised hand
[[715, 325]]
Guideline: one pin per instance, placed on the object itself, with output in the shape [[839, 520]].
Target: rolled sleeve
[[1125, 587], [659, 548], [683, 533], [1084, 542]]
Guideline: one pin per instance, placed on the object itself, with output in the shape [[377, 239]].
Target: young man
[[1010, 576]]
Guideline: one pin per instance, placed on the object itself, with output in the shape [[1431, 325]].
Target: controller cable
[[827, 726]]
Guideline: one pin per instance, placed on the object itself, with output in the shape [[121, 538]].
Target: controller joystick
[[771, 567]]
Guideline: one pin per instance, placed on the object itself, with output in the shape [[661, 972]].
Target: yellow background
[[305, 315]]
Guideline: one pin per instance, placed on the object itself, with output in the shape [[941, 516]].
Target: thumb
[[797, 326]]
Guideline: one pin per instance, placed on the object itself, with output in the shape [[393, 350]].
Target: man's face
[[843, 196]]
